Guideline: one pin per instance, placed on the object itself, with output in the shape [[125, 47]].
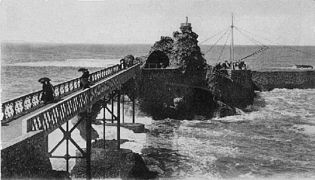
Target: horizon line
[[96, 43]]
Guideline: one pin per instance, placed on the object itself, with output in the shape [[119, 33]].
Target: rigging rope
[[262, 48], [272, 42], [217, 41], [212, 36], [224, 46]]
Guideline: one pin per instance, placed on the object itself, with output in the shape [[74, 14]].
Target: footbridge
[[27, 121]]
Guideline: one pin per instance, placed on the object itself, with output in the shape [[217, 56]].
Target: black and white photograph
[[157, 89]]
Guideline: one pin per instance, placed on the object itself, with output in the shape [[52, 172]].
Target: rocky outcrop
[[182, 78], [112, 163], [182, 50], [188, 87], [165, 45], [231, 89], [186, 52], [161, 87]]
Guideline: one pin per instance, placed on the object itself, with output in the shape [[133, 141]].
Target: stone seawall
[[268, 80], [26, 157]]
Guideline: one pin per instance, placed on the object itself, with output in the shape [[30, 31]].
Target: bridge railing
[[17, 107], [50, 119]]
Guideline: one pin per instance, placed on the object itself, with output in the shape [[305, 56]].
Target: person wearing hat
[[48, 91], [84, 83]]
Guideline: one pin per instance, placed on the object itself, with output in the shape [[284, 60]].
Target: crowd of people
[[238, 65]]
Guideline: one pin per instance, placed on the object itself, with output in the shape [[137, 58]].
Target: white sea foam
[[279, 103], [206, 142]]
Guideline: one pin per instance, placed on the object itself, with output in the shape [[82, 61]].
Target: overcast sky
[[287, 22]]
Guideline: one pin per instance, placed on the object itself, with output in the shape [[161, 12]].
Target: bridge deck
[[13, 130]]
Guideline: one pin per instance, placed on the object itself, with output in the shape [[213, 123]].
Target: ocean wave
[[278, 103], [70, 63]]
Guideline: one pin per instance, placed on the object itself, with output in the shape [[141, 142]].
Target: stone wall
[[159, 87], [26, 157], [268, 80], [242, 77]]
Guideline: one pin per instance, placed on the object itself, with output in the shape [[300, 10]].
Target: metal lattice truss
[[52, 118]]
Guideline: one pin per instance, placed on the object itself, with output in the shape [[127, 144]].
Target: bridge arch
[[157, 59]]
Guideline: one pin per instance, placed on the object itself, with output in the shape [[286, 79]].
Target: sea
[[273, 139]]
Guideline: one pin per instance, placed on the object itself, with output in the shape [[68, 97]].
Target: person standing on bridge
[[48, 94], [84, 81], [123, 64]]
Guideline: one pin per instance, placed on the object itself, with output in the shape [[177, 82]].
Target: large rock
[[182, 50], [112, 163], [186, 52], [232, 87]]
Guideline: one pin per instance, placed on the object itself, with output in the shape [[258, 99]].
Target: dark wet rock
[[234, 88], [224, 110], [113, 163]]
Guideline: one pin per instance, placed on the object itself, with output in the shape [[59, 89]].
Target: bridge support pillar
[[123, 108], [118, 119], [104, 118], [88, 143], [133, 110], [112, 100]]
